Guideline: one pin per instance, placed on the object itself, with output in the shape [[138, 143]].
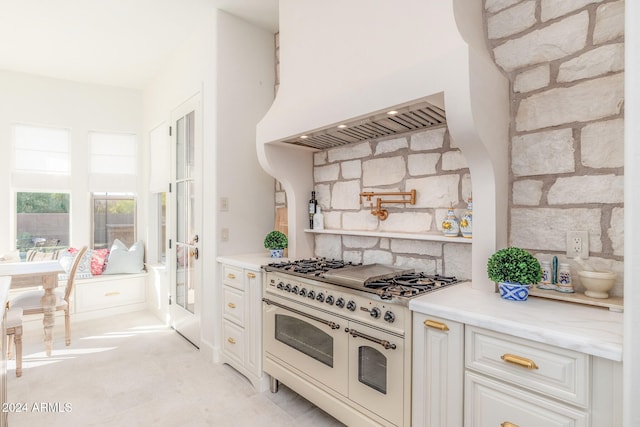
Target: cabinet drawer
[[233, 344], [491, 403], [234, 305], [232, 276], [109, 293], [553, 371]]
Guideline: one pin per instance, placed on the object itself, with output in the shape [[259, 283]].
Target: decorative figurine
[[450, 224]]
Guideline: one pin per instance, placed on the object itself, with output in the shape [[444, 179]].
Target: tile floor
[[131, 370]]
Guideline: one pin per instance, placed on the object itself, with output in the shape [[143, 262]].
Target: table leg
[[49, 307]]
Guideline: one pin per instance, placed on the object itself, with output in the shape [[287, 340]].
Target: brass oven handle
[[436, 325], [520, 361], [508, 424], [332, 325], [231, 305], [231, 340], [231, 276], [251, 275], [386, 344]]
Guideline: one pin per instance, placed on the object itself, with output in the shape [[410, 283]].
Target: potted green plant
[[514, 270], [276, 242]]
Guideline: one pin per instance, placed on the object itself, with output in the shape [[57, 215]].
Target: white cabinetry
[[438, 371], [110, 294], [511, 381], [242, 323]]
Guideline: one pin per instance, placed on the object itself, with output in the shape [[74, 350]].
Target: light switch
[[224, 204], [224, 235]]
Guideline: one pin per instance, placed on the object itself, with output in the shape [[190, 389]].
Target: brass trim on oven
[[332, 325], [386, 344]]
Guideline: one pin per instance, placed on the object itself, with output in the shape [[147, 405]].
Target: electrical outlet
[[224, 235], [578, 244]]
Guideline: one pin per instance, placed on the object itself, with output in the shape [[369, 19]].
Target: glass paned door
[[185, 292]]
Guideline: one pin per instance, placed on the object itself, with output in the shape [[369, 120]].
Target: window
[[113, 162], [114, 217], [42, 221], [162, 226], [41, 150]]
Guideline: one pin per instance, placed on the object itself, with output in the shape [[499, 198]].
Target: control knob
[[340, 302], [351, 305], [294, 290], [280, 285], [311, 294], [330, 299], [389, 317], [303, 292], [375, 312], [320, 297], [288, 287]]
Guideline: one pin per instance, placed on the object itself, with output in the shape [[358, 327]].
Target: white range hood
[[350, 61]]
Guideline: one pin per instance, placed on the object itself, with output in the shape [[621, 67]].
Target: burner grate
[[409, 284], [310, 266]]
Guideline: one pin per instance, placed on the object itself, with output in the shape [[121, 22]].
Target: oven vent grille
[[409, 119]]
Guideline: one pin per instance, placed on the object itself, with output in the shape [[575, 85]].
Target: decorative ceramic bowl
[[597, 283], [513, 291]]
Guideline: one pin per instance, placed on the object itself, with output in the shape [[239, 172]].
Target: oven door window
[[372, 368], [305, 337]]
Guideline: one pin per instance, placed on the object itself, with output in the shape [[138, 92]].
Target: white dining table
[[31, 274]]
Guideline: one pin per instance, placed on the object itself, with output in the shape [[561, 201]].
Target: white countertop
[[249, 261], [591, 330]]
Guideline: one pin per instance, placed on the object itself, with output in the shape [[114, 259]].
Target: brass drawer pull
[[231, 305], [231, 276], [231, 340], [520, 361], [508, 424], [436, 325], [251, 275], [111, 294]]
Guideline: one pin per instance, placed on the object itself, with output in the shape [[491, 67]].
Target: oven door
[[307, 341], [377, 371]]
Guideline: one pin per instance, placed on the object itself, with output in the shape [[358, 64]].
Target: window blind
[[113, 162]]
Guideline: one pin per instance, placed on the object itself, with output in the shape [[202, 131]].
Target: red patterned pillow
[[98, 260]]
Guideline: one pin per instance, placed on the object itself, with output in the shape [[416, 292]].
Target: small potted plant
[[276, 242], [515, 270]]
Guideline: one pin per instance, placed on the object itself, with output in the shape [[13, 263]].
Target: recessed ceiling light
[[392, 112], [342, 126], [304, 137]]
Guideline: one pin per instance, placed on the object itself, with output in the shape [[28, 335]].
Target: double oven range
[[340, 335]]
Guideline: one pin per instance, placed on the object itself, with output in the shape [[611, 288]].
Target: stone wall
[[427, 161], [565, 61]]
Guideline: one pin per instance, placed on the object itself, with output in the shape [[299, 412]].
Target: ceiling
[[111, 42]]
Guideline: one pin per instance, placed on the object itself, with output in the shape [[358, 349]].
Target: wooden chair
[[13, 327], [31, 301]]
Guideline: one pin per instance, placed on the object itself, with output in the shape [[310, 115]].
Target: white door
[[186, 192]]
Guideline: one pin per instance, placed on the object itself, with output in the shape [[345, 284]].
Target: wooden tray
[[612, 303]]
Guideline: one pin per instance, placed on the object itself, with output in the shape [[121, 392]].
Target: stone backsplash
[[565, 61], [426, 161]]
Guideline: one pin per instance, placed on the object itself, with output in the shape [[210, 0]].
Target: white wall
[[79, 107], [631, 346], [246, 75]]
